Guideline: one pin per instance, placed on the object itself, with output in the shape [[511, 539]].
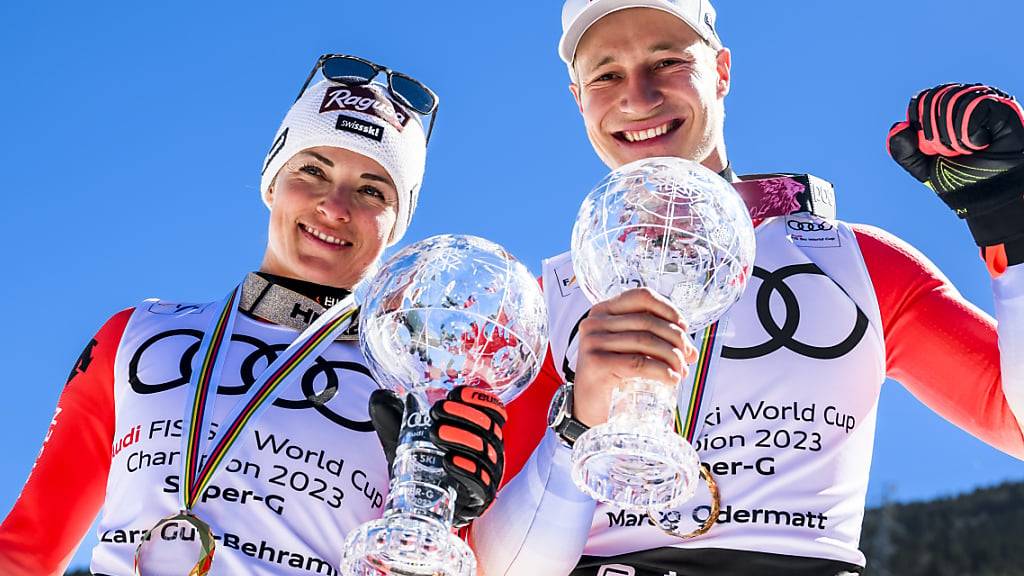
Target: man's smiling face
[[648, 85]]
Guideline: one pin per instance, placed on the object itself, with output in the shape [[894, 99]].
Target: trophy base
[[406, 545], [635, 468]]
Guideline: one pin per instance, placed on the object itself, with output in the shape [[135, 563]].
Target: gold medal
[[169, 546], [688, 427], [671, 528], [183, 544]]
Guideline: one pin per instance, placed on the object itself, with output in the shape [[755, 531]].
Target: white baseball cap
[[579, 15], [362, 119]]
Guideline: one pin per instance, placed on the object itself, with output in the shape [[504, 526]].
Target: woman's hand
[[467, 427]]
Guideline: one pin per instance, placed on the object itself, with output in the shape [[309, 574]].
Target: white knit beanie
[[363, 119]]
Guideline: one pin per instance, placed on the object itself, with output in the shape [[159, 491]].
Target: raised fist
[[966, 142], [956, 135]]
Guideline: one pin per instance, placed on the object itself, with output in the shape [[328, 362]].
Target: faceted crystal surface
[[454, 310], [670, 225]]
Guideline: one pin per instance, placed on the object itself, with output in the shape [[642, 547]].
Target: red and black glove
[[467, 428], [966, 142]]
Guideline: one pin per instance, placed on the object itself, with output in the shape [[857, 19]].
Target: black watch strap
[[569, 429], [561, 420]]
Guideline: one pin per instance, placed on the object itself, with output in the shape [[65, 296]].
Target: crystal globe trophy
[[679, 229], [447, 311]]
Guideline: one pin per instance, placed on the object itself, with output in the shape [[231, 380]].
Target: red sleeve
[[941, 347], [66, 487], [528, 416]]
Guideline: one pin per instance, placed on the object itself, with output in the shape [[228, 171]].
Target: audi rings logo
[[330, 370], [780, 336], [783, 336], [417, 420], [802, 226]]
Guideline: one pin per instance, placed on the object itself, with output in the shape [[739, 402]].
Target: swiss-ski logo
[[361, 127]]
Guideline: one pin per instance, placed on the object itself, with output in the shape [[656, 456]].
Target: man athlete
[[790, 402]]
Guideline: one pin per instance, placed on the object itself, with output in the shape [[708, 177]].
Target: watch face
[[555, 409]]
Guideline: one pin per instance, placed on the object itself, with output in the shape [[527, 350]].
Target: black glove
[[467, 428], [386, 411], [966, 142]]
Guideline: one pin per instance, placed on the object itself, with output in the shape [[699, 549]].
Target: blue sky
[[134, 135]]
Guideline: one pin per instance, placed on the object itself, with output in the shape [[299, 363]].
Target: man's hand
[[637, 334], [467, 427], [966, 142]]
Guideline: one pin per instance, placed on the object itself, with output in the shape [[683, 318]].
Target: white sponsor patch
[[811, 232], [566, 278]]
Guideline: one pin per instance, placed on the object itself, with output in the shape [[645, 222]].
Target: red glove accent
[[467, 426]]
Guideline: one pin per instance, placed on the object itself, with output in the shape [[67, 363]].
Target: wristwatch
[[560, 418]]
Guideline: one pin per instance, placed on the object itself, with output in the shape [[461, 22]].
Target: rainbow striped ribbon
[[212, 351], [688, 427], [198, 465]]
